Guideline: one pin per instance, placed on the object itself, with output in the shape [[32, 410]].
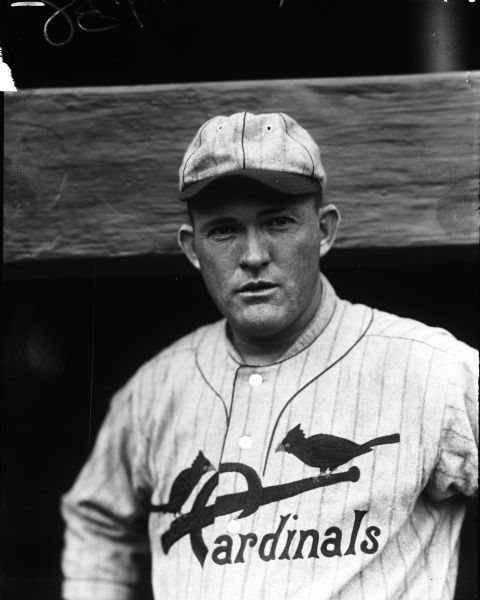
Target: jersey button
[[255, 380], [245, 442], [233, 526]]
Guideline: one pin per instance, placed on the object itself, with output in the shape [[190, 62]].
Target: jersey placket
[[251, 407]]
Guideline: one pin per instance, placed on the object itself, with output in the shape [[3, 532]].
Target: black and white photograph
[[240, 299]]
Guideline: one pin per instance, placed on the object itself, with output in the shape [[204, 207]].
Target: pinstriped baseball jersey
[[336, 472]]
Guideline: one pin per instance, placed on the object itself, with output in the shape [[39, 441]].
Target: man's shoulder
[[419, 335], [184, 348]]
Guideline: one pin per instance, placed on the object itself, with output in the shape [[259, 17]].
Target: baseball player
[[303, 447]]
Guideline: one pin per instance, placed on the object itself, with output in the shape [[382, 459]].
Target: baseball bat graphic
[[201, 515]]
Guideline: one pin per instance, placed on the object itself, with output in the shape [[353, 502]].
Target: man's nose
[[255, 251]]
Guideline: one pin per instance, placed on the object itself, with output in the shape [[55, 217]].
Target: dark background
[[74, 331], [208, 40]]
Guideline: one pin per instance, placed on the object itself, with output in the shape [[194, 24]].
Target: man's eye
[[222, 231], [280, 222]]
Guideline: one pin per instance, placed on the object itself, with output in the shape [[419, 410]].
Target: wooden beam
[[92, 172]]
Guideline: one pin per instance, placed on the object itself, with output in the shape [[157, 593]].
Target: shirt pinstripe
[[355, 373]]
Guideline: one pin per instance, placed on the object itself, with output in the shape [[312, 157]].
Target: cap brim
[[279, 181]]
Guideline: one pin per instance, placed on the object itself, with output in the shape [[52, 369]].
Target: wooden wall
[[92, 172]]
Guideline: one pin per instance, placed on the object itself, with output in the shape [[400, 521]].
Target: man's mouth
[[257, 287]]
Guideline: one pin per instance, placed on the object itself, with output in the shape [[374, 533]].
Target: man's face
[[259, 256]]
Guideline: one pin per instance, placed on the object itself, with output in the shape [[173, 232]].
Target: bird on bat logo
[[184, 484], [327, 452]]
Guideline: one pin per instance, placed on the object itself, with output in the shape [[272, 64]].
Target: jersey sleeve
[[106, 552], [456, 469]]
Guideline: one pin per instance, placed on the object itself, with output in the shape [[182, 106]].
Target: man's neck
[[267, 350]]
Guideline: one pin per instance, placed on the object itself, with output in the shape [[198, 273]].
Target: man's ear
[[186, 241], [329, 218]]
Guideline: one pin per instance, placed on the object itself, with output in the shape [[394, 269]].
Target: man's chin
[[259, 324]]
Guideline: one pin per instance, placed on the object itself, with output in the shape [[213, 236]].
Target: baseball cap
[[271, 148]]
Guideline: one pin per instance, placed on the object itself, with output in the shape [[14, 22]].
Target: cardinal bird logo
[[327, 452], [184, 484]]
